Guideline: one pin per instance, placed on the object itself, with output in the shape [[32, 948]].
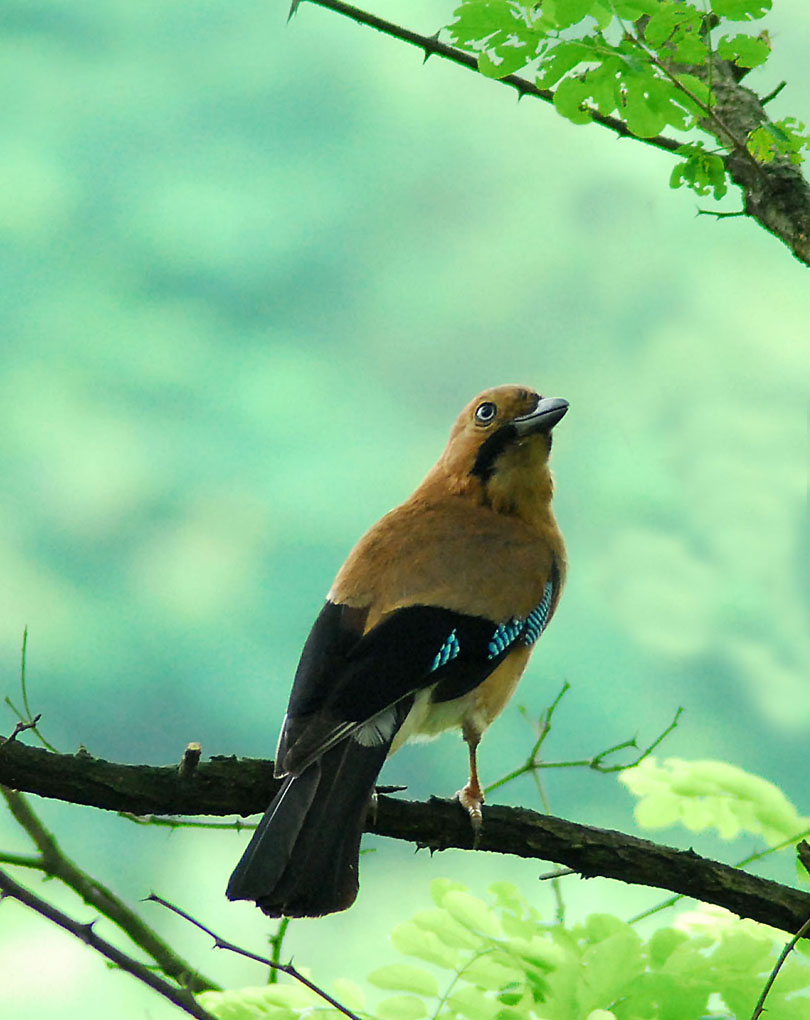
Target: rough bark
[[227, 785]]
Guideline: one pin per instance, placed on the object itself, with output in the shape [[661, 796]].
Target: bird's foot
[[471, 799]]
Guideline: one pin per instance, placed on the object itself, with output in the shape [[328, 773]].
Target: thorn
[[293, 9], [428, 51]]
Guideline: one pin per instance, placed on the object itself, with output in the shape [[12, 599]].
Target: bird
[[428, 626]]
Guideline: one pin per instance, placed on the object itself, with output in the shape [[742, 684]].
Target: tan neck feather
[[520, 487]]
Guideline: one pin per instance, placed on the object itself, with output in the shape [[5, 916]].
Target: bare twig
[[54, 862], [186, 823], [595, 762], [190, 760], [285, 968], [26, 716], [276, 942], [549, 876], [21, 727], [760, 1006], [181, 997], [772, 95]]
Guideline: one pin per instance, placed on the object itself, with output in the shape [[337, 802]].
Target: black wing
[[346, 679]]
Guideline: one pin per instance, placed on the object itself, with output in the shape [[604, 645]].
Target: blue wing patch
[[538, 618], [448, 651], [527, 630]]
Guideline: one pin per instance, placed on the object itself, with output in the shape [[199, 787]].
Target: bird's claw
[[471, 798]]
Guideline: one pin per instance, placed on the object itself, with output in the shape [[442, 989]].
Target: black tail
[[303, 858]]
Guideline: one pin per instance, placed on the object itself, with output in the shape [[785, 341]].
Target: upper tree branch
[[230, 786], [775, 194]]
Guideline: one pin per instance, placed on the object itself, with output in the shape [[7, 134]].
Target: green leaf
[[642, 114], [564, 57], [744, 50], [447, 928], [741, 10], [711, 794], [275, 1002], [440, 887], [784, 138], [492, 974], [633, 9], [564, 13], [506, 36], [413, 940], [569, 98], [608, 966], [401, 1007], [405, 977], [663, 944], [472, 913], [508, 896], [472, 1003], [669, 17]]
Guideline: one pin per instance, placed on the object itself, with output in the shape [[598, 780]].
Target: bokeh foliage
[[250, 275]]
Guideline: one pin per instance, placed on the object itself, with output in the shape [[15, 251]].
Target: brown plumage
[[429, 625]]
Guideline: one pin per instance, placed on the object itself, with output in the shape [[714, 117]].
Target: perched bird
[[429, 625]]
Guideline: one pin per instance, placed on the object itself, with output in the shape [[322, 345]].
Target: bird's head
[[498, 449]]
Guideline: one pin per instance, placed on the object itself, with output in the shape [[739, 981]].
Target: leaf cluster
[[499, 960], [648, 63]]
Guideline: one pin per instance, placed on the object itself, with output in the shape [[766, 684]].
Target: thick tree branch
[[775, 194], [230, 786]]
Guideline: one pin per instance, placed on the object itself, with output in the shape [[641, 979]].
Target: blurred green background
[[250, 274]]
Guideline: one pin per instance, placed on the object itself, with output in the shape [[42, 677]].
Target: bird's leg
[[471, 796]]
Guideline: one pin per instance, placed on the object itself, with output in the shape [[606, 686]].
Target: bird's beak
[[543, 418]]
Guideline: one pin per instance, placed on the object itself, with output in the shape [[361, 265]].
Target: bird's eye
[[485, 412]]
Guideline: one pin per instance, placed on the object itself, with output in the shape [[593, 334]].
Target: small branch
[[596, 762], [774, 94], [84, 932], [276, 942], [26, 716], [186, 823], [532, 763], [190, 760], [21, 726], [722, 215], [760, 1006], [54, 862], [431, 46], [285, 968], [549, 876]]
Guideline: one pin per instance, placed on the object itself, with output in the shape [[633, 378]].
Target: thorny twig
[[181, 997], [285, 968]]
